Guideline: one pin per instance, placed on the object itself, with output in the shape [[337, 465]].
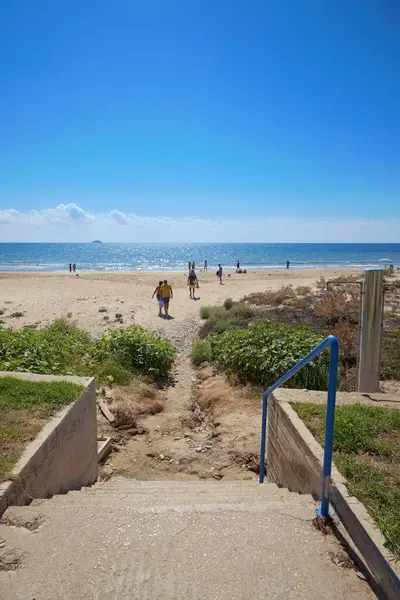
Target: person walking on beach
[[205, 265], [189, 266], [192, 282], [167, 294], [74, 268], [193, 265], [157, 293], [219, 274], [70, 267], [237, 267], [287, 264]]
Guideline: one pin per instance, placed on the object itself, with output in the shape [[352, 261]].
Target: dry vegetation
[[130, 404], [334, 309]]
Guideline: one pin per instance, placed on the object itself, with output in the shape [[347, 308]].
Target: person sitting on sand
[[166, 294], [157, 293], [219, 274], [192, 282]]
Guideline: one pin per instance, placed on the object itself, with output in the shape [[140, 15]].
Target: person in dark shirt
[[219, 274], [193, 283]]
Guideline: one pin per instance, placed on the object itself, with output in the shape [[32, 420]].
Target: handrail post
[[329, 429], [263, 436], [333, 344]]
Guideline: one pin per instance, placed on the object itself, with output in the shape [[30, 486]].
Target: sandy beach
[[43, 297]]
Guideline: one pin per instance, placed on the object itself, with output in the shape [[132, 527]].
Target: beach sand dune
[[94, 299]]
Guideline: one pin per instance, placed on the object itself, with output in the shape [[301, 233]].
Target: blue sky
[[215, 110]]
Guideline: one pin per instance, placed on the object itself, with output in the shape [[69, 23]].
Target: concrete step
[[140, 495], [130, 540]]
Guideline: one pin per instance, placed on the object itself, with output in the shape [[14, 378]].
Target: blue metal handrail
[[333, 344]]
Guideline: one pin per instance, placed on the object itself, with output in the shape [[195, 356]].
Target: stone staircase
[[171, 540]]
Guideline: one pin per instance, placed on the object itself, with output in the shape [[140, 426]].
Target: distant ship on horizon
[[97, 242]]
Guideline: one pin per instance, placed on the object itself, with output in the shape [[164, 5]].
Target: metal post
[[329, 428], [371, 331], [263, 436]]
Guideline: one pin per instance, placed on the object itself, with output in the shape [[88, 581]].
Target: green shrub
[[228, 303], [262, 353], [201, 352], [111, 371], [137, 350], [290, 302], [63, 349], [55, 349], [220, 319], [205, 312]]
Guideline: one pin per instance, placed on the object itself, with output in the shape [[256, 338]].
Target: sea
[[104, 257]]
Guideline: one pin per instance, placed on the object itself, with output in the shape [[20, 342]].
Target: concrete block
[[63, 456]]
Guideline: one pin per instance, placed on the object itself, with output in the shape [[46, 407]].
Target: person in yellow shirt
[[166, 294]]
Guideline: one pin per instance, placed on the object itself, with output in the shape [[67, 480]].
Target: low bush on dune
[[228, 303], [221, 318], [201, 352], [110, 371], [271, 297], [62, 348], [137, 350], [55, 349], [263, 352], [390, 366], [334, 305]]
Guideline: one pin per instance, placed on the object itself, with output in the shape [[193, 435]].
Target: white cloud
[[119, 217], [69, 222]]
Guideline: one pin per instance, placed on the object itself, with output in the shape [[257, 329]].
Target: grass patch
[[25, 406], [366, 452]]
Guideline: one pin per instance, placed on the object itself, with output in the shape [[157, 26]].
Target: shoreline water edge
[[169, 258]]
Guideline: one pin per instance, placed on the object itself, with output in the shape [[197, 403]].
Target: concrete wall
[[294, 460], [289, 459], [63, 456]]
